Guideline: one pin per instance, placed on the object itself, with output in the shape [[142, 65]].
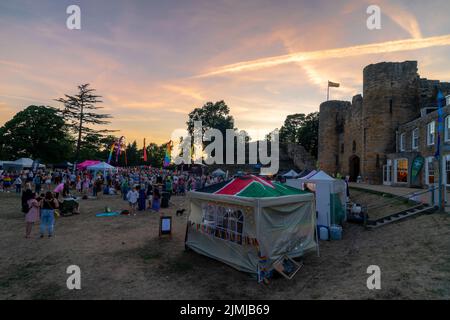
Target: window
[[430, 133], [429, 170], [447, 170], [402, 142], [447, 128], [342, 148], [223, 222], [415, 139], [401, 168], [390, 106], [354, 145]]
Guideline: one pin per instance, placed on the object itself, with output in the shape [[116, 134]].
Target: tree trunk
[[80, 129]]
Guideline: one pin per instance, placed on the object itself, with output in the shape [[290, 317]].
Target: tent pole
[[317, 238]]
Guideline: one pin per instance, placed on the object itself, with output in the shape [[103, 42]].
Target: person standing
[[48, 182], [7, 182], [18, 184], [33, 214], [156, 200], [124, 188], [142, 198], [48, 206], [132, 197], [37, 181]]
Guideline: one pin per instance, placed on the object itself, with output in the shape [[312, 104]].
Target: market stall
[[249, 222]]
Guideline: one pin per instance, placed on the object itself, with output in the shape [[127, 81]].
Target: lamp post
[[440, 99]]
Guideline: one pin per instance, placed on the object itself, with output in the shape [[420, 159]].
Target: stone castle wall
[[364, 131]]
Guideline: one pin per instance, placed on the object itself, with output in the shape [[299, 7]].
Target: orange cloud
[[374, 48]]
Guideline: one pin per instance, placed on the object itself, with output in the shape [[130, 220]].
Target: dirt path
[[122, 258]]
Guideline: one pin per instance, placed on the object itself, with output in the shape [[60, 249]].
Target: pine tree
[[79, 112]]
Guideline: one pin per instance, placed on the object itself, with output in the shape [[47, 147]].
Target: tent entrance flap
[[337, 211]]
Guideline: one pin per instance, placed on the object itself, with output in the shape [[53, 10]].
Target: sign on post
[[165, 226]]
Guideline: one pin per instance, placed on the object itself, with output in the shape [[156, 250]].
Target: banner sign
[[417, 165]]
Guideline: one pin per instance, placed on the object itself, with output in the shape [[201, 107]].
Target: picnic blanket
[[108, 214]]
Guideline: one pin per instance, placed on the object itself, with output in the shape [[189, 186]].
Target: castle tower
[[331, 122], [391, 97]]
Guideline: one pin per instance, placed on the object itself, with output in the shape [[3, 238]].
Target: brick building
[[362, 137]]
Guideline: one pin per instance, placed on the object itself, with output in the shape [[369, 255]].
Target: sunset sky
[[155, 61]]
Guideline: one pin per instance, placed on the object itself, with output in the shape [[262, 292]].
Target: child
[[132, 198], [32, 215]]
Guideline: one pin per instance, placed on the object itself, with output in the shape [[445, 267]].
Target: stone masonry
[[356, 137]]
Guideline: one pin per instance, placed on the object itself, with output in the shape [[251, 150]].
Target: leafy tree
[[80, 113], [155, 154], [302, 129], [133, 155], [38, 132], [309, 133], [289, 132], [213, 115], [104, 147], [90, 147]]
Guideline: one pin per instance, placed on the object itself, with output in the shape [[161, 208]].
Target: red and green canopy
[[251, 187]]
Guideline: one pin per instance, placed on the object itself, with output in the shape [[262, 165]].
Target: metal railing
[[412, 196]]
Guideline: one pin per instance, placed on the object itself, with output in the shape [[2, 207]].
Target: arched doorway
[[353, 169]]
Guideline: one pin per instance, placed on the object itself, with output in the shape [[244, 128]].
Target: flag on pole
[[145, 152], [333, 84]]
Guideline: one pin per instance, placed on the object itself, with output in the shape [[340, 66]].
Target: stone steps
[[401, 215]]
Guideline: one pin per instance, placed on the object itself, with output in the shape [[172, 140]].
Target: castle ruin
[[355, 138]]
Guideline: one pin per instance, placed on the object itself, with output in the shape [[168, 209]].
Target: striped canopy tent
[[251, 187], [250, 222]]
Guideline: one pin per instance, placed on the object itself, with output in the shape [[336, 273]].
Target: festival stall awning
[[83, 165], [290, 174], [101, 166], [218, 172], [250, 222], [251, 187]]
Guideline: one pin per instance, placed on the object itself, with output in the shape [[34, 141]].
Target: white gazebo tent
[[218, 172], [330, 196], [102, 166], [290, 174], [20, 164]]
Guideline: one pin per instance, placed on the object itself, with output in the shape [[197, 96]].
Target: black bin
[[165, 197]]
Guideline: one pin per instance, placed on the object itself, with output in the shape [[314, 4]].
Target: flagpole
[[328, 91]]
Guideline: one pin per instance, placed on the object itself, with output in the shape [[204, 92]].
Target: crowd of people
[[44, 191]]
